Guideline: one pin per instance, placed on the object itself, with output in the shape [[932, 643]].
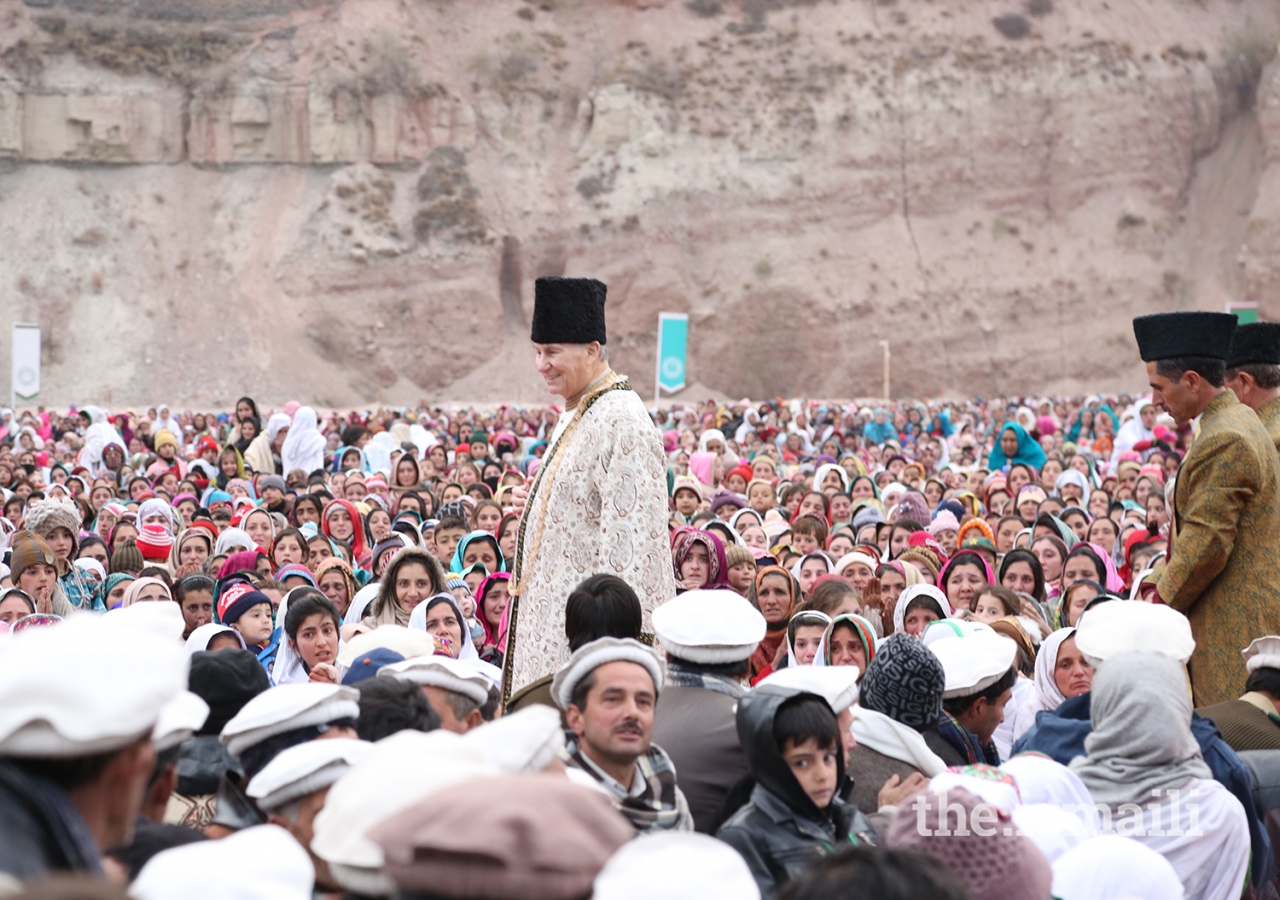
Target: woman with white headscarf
[[1145, 770], [260, 455], [304, 445], [1061, 673]]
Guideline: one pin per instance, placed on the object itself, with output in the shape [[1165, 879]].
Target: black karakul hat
[[1170, 335], [1257, 342], [568, 311]]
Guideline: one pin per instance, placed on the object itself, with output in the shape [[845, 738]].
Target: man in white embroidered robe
[[598, 504]]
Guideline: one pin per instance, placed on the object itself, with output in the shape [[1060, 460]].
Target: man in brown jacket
[[1226, 510], [1253, 372]]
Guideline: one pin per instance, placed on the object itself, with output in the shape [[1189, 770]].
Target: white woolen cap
[[943, 629], [84, 687], [974, 663], [305, 769], [408, 642], [838, 685], [1120, 626], [589, 657], [162, 618], [180, 718], [259, 863], [524, 741], [709, 626], [675, 866], [1262, 653], [398, 772], [285, 708], [442, 672]]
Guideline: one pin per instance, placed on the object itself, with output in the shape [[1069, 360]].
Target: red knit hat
[[155, 541]]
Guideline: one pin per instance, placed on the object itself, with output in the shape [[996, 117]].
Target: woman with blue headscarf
[[1015, 446]]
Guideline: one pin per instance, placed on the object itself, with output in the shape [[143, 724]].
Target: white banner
[[26, 362]]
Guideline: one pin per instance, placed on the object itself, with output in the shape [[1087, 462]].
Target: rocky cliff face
[[347, 201]]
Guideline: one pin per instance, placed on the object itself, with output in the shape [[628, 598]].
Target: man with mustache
[[608, 691]]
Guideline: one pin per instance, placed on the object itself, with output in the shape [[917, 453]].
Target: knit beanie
[[155, 542], [912, 505], [28, 550], [925, 555], [905, 681], [736, 553], [128, 558], [114, 579], [46, 516], [226, 680], [165, 436], [993, 861], [237, 600], [295, 570]]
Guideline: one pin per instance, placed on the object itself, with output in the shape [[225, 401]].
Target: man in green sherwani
[[1226, 507], [1253, 372]]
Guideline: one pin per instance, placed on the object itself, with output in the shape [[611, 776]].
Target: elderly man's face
[[567, 368]]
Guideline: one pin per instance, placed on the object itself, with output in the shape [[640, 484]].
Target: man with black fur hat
[[1226, 502], [1253, 372], [598, 503]]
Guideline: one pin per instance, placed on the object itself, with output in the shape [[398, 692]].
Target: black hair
[[865, 872], [1265, 375], [389, 705], [158, 572], [803, 717], [67, 774], [967, 558], [353, 433], [306, 602], [150, 838], [910, 524], [601, 606], [255, 758], [491, 703], [1265, 680], [924, 601], [453, 522], [1037, 570], [958, 705], [1211, 370], [82, 544], [22, 595], [195, 582], [1086, 550]]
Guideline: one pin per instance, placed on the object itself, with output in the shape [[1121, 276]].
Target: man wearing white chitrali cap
[[609, 689], [980, 675], [457, 690], [292, 789], [708, 636], [1253, 721], [271, 723], [598, 504], [260, 863], [78, 703]]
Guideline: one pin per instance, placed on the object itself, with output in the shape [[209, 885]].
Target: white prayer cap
[[675, 866], [1124, 625], [1263, 653], [1112, 866], [259, 863], [974, 663], [50, 708], [161, 619], [838, 685], [305, 769], [709, 626], [180, 718], [442, 672], [524, 741], [1054, 830], [408, 642], [855, 557], [89, 564], [285, 708], [398, 772], [589, 657], [951, 628]]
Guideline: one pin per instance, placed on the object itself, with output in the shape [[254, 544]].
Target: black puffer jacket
[[781, 832], [41, 831]]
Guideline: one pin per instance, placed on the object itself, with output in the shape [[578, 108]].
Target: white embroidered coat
[[600, 508]]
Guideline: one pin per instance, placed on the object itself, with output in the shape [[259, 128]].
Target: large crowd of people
[[916, 649]]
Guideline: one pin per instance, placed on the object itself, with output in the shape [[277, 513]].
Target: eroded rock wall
[[320, 199]]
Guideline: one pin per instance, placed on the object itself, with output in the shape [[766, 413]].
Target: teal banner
[[673, 343]]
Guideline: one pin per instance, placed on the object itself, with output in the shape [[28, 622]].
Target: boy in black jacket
[[795, 817]]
